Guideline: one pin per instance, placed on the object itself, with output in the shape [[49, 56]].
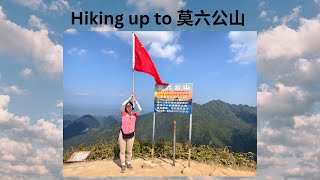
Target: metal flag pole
[[133, 61]]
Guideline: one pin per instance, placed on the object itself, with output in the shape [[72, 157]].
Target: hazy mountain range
[[215, 123]]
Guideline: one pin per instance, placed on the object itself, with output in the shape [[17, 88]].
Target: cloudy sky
[[97, 71], [31, 91]]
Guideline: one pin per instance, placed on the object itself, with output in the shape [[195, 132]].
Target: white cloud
[[12, 150], [317, 2], [35, 21], [4, 101], [14, 90], [27, 169], [283, 42], [26, 148], [267, 150], [109, 52], [304, 73], [168, 6], [103, 28], [21, 42], [49, 133], [165, 51], [282, 100], [269, 132], [71, 31], [26, 72], [179, 59], [289, 62], [59, 103], [278, 149], [7, 119], [296, 91], [163, 44], [77, 51], [263, 14], [293, 16], [294, 137], [301, 137], [59, 5], [290, 146], [32, 4], [308, 122], [41, 154], [2, 15], [244, 46], [280, 47], [270, 161], [55, 5], [275, 19], [49, 157], [304, 172], [312, 156], [19, 127]]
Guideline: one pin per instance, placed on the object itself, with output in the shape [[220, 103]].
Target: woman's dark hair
[[131, 105]]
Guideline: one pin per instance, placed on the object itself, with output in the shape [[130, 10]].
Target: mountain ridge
[[215, 123]]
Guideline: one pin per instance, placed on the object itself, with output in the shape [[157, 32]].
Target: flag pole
[[133, 58]]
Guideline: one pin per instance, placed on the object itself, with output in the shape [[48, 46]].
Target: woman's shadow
[[116, 159]]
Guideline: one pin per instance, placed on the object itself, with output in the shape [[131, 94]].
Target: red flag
[[143, 62]]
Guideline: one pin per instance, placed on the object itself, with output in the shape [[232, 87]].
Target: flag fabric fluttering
[[143, 62]]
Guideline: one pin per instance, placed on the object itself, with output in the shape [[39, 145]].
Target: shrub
[[163, 149]]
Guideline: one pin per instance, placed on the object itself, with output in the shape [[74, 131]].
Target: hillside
[[216, 123], [79, 126]]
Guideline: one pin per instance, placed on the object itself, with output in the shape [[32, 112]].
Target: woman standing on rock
[[126, 135]]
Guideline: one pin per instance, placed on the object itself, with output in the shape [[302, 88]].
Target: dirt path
[[160, 167]]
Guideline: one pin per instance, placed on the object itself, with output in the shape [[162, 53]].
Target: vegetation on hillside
[[216, 124], [164, 149]]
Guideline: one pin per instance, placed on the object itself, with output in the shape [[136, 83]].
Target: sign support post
[[153, 129], [190, 133], [174, 142]]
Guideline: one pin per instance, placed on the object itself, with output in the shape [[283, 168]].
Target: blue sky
[[31, 77], [97, 67]]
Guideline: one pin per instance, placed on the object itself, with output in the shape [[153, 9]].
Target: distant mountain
[[215, 123], [109, 129], [110, 122], [79, 126], [70, 117], [102, 118], [66, 123], [89, 121]]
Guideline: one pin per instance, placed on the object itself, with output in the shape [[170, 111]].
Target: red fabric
[[143, 62]]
